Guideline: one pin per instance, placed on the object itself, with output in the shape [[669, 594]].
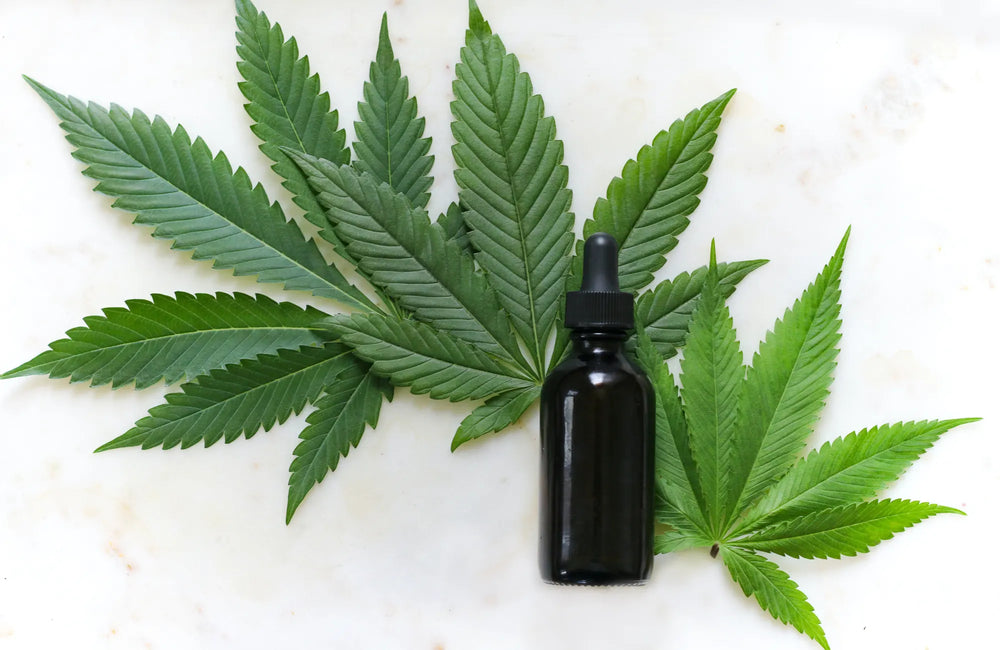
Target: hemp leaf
[[728, 440], [464, 307]]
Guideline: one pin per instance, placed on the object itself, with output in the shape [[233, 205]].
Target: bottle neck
[[598, 341]]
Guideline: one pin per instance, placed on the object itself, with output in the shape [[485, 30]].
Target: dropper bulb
[[600, 263]]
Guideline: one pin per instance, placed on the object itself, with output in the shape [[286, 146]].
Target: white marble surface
[[880, 115]]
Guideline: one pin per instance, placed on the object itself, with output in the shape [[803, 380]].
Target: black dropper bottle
[[597, 440]]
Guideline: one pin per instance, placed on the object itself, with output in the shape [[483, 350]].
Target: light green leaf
[[774, 591], [677, 508], [286, 105], [239, 400], [194, 198], [647, 207], [674, 463], [787, 384], [512, 184], [411, 353], [711, 373], [348, 404], [403, 252], [847, 470], [390, 145], [844, 530], [675, 540], [171, 338], [665, 312], [496, 414]]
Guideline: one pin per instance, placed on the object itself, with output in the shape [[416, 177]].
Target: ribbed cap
[[599, 304]]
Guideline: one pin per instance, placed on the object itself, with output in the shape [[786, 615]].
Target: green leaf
[[403, 252], [847, 470], [171, 338], [774, 591], [675, 540], [711, 373], [787, 384], [665, 312], [677, 509], [674, 463], [194, 198], [239, 400], [348, 404], [286, 105], [452, 222], [512, 184], [647, 207], [844, 530], [390, 145], [414, 354], [496, 414]]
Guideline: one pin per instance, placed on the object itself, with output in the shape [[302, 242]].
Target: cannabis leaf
[[727, 443], [172, 337], [461, 308]]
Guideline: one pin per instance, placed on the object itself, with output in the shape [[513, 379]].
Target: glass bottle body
[[597, 500]]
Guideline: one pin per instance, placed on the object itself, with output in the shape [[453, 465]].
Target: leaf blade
[[239, 400], [646, 208], [711, 374], [512, 184], [674, 462], [665, 311], [413, 354], [787, 384], [843, 530], [774, 590], [496, 414], [170, 338], [847, 470], [194, 198], [408, 256], [286, 104], [390, 144], [349, 404]]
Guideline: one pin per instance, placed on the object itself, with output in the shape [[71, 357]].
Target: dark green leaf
[[512, 184], [452, 222], [390, 144], [496, 414], [413, 354], [171, 338], [647, 207], [403, 252], [286, 105], [348, 404], [194, 198], [238, 400]]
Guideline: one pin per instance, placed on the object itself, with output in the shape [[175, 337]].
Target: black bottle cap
[[599, 304]]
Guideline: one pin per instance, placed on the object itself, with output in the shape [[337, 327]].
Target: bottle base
[[593, 579]]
